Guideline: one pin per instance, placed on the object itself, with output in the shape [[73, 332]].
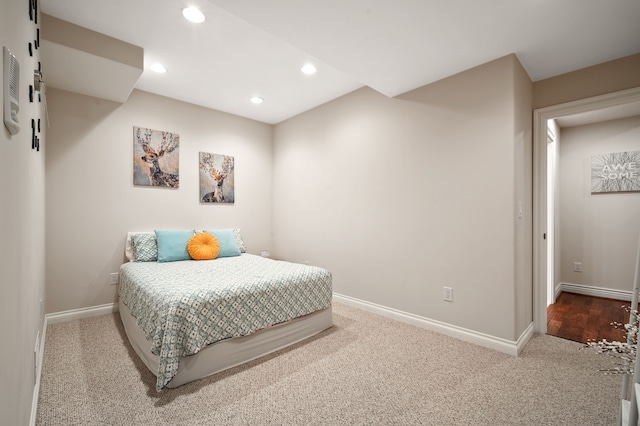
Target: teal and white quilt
[[184, 306]]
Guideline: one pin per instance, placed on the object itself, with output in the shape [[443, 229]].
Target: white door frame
[[540, 118]]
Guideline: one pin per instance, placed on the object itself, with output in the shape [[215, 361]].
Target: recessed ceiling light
[[256, 99], [159, 68], [308, 69], [193, 14]]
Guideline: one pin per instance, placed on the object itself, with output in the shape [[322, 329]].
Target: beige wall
[[397, 197], [92, 203], [599, 230], [523, 174], [400, 197], [22, 234], [79, 38], [608, 77]]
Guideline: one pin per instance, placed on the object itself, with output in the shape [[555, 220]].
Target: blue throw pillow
[[228, 242], [172, 245]]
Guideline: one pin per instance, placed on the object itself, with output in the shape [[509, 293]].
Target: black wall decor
[[36, 86], [33, 10], [33, 16], [35, 140]]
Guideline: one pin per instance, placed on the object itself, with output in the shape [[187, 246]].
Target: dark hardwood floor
[[583, 318]]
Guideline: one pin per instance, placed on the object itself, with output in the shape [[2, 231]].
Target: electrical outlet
[[115, 278], [577, 266], [448, 294]]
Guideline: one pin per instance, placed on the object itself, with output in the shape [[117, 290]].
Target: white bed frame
[[230, 352]]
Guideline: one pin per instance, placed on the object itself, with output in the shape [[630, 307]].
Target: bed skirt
[[230, 352]]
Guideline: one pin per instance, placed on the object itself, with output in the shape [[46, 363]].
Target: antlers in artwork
[[218, 175], [169, 143]]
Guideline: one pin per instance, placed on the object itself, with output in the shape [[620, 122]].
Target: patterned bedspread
[[184, 306]]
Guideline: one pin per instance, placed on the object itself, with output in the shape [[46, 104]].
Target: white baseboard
[[558, 290], [588, 290], [53, 319], [480, 339], [81, 313], [36, 387]]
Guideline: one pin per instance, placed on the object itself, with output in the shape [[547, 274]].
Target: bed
[[187, 319]]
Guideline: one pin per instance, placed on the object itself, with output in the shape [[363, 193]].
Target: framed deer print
[[216, 178], [155, 158]]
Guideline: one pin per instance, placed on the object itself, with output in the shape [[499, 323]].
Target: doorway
[[621, 104]]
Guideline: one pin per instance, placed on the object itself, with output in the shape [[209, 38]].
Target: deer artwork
[[169, 143], [218, 175]]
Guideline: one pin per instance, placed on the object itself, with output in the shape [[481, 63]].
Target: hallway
[[582, 318]]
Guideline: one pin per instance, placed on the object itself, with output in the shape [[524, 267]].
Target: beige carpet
[[366, 370]]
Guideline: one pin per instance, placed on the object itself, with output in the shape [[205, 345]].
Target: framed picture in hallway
[[615, 172]]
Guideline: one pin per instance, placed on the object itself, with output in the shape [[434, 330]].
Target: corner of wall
[[523, 203]]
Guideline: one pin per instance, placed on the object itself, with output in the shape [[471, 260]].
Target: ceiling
[[251, 48]]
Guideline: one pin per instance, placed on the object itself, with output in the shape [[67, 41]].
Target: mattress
[[183, 306], [227, 353]]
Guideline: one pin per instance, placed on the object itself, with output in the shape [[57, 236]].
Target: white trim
[[540, 134], [502, 345], [81, 313], [524, 338], [481, 339], [558, 290], [36, 387], [54, 319], [588, 290], [540, 118]]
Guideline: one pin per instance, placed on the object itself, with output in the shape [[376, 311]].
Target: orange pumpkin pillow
[[203, 246]]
